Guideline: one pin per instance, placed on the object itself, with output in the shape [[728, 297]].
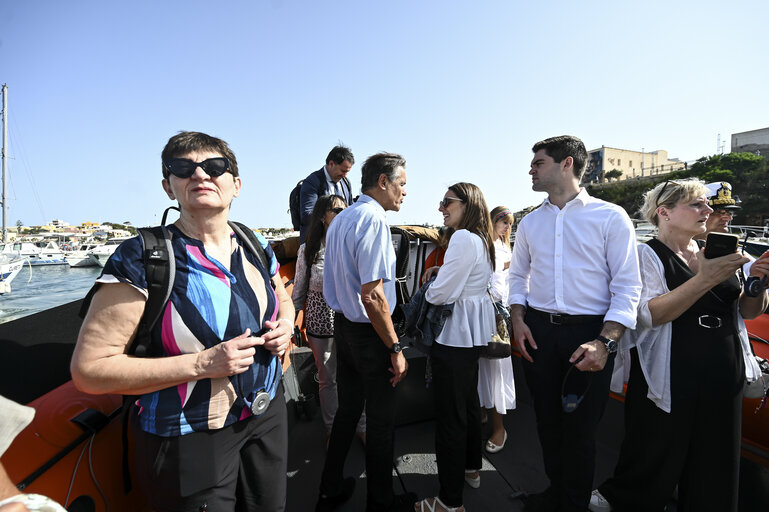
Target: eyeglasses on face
[[722, 212], [336, 210], [447, 201], [184, 167]]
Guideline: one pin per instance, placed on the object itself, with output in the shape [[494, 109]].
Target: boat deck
[[505, 477]]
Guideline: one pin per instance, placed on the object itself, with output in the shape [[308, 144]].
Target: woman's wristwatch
[[610, 344]]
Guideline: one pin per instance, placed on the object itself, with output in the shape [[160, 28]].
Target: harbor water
[[43, 287]]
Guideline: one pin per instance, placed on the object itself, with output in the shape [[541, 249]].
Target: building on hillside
[[630, 164], [89, 227], [754, 141]]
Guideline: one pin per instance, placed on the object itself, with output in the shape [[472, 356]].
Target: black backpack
[[293, 206], [294, 198], [160, 267]]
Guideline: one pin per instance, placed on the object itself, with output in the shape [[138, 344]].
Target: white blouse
[[654, 342], [500, 288], [464, 280]]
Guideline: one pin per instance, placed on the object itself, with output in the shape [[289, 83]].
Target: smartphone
[[720, 244]]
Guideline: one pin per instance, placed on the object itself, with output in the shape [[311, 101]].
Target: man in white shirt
[[359, 285], [574, 289], [329, 179]]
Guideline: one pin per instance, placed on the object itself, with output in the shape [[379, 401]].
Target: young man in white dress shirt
[[574, 289], [359, 285]]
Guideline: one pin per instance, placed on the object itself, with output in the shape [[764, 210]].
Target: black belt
[[564, 319]]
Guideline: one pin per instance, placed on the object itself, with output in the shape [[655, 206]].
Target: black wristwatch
[[396, 348], [610, 344]]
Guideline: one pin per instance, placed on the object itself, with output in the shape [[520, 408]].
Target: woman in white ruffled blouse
[[318, 316], [463, 281]]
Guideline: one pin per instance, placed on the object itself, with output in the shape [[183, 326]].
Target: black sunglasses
[[336, 210], [446, 201], [664, 187], [184, 167]]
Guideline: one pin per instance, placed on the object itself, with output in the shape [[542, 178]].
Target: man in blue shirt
[[359, 284], [329, 179]]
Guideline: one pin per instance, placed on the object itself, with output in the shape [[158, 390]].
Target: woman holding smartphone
[[688, 366]]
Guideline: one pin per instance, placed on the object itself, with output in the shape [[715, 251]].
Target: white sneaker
[[598, 503]]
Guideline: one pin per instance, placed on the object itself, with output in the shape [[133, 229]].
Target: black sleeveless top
[[705, 345]]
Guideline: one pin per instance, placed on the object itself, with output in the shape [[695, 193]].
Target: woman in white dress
[[496, 387], [463, 281], [318, 316]]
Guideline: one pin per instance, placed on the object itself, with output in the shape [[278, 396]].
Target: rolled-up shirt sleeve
[[622, 259], [375, 254], [520, 268]]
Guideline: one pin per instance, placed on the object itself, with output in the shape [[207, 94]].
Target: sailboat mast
[[5, 158]]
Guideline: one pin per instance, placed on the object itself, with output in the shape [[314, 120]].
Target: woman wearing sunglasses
[[318, 316], [462, 280], [688, 366], [206, 434]]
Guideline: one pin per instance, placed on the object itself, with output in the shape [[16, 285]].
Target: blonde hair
[[668, 194]]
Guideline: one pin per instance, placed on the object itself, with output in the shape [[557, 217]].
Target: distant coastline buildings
[[61, 229], [753, 141], [613, 164]]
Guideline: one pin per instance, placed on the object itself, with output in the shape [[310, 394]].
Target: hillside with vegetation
[[748, 174]]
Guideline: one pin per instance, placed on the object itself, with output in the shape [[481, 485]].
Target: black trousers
[[696, 445], [567, 439], [457, 418], [238, 467], [362, 377]]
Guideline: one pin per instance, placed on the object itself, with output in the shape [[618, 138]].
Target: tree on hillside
[[749, 176], [613, 174]]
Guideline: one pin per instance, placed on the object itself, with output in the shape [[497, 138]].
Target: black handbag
[[499, 347]]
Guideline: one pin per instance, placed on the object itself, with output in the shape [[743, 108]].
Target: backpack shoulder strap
[[321, 189], [160, 268], [251, 242], [349, 191]]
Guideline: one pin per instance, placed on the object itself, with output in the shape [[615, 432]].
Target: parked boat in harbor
[[101, 254], [81, 257], [10, 266], [46, 252]]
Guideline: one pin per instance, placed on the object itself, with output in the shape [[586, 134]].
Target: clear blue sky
[[461, 89]]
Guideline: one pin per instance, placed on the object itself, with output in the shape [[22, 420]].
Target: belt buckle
[[709, 321], [556, 319]]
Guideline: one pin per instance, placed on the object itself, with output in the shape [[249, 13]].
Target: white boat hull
[[79, 260], [8, 271]]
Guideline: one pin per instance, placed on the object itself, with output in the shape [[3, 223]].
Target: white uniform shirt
[[579, 260]]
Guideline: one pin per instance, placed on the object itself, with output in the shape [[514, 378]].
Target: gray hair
[[389, 164]]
